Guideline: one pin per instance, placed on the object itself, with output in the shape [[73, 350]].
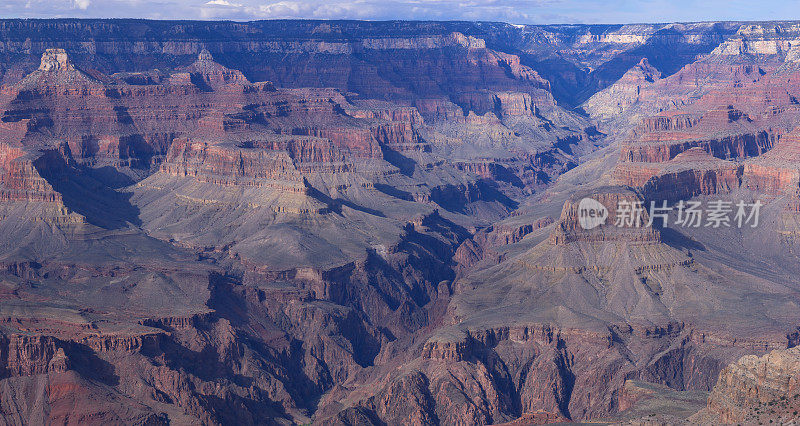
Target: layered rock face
[[735, 136], [757, 389], [691, 173], [626, 91], [560, 358], [313, 222], [740, 122], [393, 228], [776, 173]]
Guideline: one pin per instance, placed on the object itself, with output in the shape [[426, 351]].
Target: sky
[[511, 11]]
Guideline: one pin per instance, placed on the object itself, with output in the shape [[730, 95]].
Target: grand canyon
[[377, 223]]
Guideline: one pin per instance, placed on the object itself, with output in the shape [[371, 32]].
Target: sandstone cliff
[[756, 389]]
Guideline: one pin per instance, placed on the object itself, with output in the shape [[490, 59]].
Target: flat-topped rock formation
[[692, 172], [569, 228]]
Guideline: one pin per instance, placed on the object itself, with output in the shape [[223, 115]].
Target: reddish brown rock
[[569, 229], [691, 173], [778, 171], [31, 355], [226, 165], [665, 147], [22, 182], [668, 121], [480, 246], [284, 254], [757, 389]]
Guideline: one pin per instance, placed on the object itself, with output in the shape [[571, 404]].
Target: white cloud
[[284, 9], [512, 11], [223, 3], [488, 10]]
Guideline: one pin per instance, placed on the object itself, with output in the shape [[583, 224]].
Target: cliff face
[[289, 53], [757, 389], [110, 181], [732, 118], [380, 223], [452, 62]]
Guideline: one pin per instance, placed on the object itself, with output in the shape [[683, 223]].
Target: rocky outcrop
[[625, 92], [208, 74], [481, 246], [56, 60], [228, 166], [31, 355], [359, 142], [691, 173], [771, 179], [661, 150], [777, 172], [57, 73], [510, 104], [570, 229], [23, 182], [676, 121], [757, 389], [504, 104]]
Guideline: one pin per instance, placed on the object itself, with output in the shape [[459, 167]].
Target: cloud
[[511, 11], [396, 9], [223, 3], [284, 9]]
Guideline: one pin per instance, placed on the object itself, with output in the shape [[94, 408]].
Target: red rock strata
[[757, 389], [691, 173], [716, 132], [568, 229], [189, 245]]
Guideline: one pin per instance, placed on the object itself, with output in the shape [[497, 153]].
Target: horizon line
[[710, 21]]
